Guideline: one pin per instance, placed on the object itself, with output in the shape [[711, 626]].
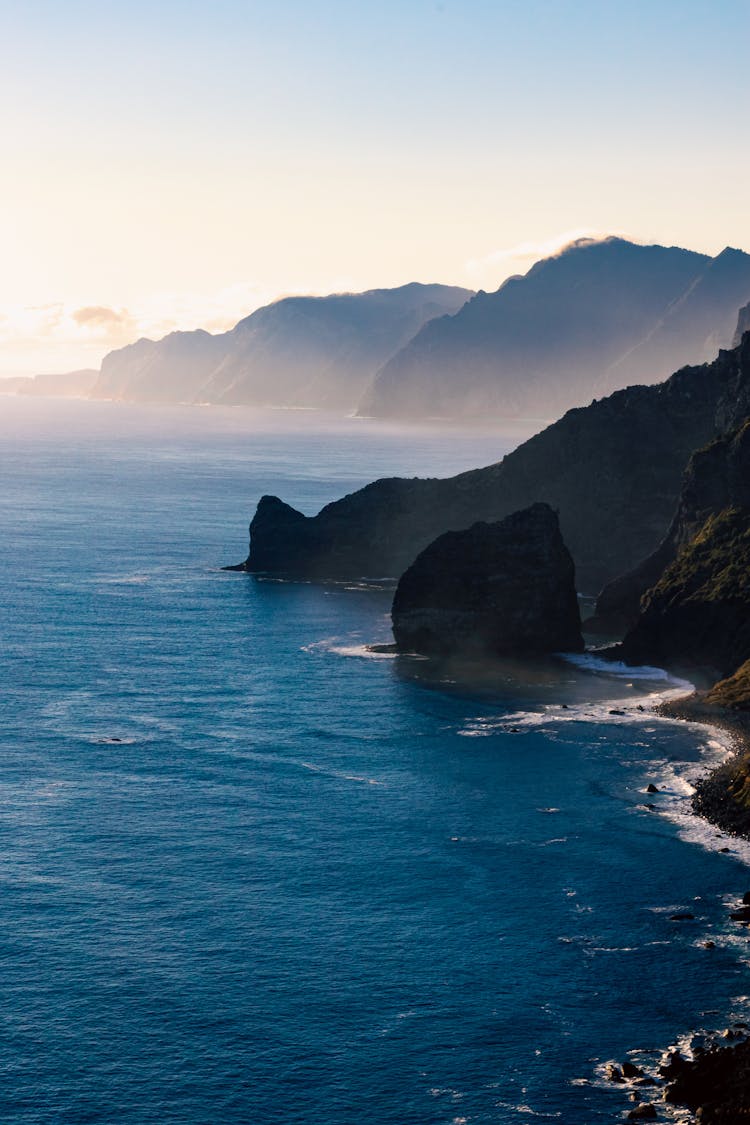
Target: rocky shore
[[723, 796], [709, 1075]]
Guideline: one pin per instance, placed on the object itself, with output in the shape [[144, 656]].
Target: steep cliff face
[[717, 477], [299, 351], [588, 321], [506, 587], [612, 470], [693, 328], [323, 351], [743, 324], [698, 613], [170, 370]]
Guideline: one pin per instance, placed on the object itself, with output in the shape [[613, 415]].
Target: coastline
[[721, 796], [708, 1075]]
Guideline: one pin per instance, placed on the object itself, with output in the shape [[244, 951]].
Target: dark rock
[[613, 1073], [612, 470], [724, 797], [615, 711], [698, 613], [742, 915], [709, 945], [746, 898], [716, 478], [675, 1064], [630, 1070], [646, 1111], [686, 916], [716, 1085], [506, 587], [651, 788]]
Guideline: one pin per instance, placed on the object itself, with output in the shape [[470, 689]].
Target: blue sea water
[[251, 873]]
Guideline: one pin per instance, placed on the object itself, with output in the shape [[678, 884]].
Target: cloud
[[100, 316], [499, 264], [63, 335]]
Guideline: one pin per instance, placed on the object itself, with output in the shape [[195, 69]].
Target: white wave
[[590, 662], [677, 783], [338, 774], [340, 646]]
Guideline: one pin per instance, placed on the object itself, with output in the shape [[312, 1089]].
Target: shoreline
[[709, 1078], [722, 796]]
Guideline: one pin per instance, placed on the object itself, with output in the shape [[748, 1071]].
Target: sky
[[177, 164]]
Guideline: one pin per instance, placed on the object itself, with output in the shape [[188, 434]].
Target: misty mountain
[[69, 384], [299, 351], [612, 470], [598, 316], [170, 370]]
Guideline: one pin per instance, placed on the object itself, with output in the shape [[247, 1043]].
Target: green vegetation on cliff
[[733, 692]]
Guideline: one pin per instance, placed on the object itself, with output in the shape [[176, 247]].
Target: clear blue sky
[[180, 162]]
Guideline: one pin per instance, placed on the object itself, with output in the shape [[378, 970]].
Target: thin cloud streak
[[493, 268], [62, 335]]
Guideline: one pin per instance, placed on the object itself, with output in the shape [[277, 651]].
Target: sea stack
[[492, 589]]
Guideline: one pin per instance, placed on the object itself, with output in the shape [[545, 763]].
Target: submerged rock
[[498, 588]]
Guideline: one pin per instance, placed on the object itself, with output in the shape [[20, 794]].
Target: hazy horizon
[[179, 167]]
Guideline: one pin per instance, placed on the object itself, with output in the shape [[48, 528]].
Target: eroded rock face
[[698, 613], [497, 588], [717, 478], [612, 470]]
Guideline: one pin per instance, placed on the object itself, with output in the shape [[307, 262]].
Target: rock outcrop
[[612, 470], [594, 318], [698, 613], [715, 1084], [506, 587], [717, 477]]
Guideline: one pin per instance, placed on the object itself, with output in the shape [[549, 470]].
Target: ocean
[[252, 872]]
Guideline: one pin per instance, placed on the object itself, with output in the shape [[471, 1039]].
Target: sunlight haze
[[178, 167]]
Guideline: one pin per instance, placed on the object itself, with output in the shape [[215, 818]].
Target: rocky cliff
[[299, 351], [506, 587], [170, 370], [588, 321], [323, 351], [612, 470], [698, 613], [693, 328], [717, 477]]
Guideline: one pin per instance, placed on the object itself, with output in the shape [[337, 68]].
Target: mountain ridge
[[589, 320]]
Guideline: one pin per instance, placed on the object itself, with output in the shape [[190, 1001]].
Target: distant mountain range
[[299, 351], [592, 319], [70, 384], [599, 316]]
